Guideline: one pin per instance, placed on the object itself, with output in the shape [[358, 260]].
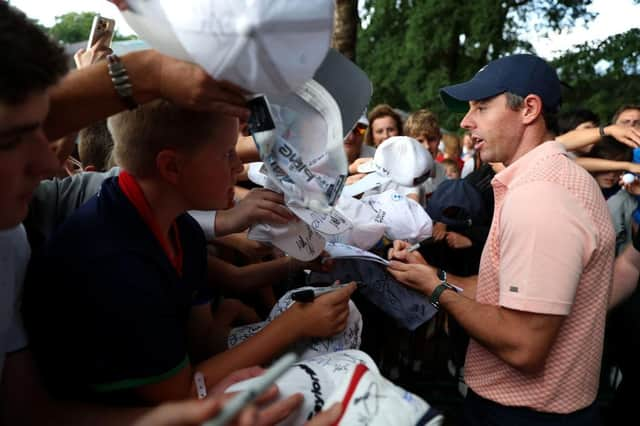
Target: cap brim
[[349, 86], [367, 167], [457, 97], [255, 173], [370, 181]]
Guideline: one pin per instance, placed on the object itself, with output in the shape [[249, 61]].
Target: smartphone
[[99, 28]]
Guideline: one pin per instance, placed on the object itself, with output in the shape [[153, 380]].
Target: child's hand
[[327, 315]]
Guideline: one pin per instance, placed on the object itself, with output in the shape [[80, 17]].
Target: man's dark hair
[[550, 117], [33, 62], [569, 120], [610, 149]]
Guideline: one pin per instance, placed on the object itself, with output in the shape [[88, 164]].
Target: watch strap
[[437, 292], [120, 79]]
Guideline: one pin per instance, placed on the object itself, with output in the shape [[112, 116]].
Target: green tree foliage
[[74, 27], [602, 76], [411, 48]]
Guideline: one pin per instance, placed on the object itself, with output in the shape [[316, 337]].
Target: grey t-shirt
[[14, 257]]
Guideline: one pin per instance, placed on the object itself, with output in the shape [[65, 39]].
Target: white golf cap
[[367, 398], [399, 159], [366, 228], [304, 156], [264, 46], [316, 379], [403, 218]]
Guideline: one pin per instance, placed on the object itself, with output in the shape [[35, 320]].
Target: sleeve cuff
[[207, 221]]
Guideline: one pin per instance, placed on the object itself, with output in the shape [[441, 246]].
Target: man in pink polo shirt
[[536, 311]]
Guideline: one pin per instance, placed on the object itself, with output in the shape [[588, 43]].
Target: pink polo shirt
[[550, 250]]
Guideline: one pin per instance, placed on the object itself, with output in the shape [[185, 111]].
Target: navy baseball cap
[[521, 74]]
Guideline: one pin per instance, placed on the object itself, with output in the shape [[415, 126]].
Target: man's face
[[430, 142], [25, 156], [495, 129], [209, 172], [629, 118], [353, 142]]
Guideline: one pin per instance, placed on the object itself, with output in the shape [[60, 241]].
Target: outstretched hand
[[629, 136]]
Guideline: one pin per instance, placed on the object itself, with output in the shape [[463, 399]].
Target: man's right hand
[[189, 86]]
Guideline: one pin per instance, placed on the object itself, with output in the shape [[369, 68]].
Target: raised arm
[[87, 95]]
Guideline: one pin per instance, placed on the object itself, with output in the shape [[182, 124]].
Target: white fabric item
[[207, 221], [350, 338], [467, 167], [399, 159], [316, 379], [329, 223], [296, 239], [304, 156], [403, 218], [377, 401], [366, 230], [14, 257], [264, 46]]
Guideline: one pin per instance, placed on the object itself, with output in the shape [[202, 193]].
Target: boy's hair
[[422, 122], [622, 109], [379, 111], [140, 134], [571, 119], [610, 149], [95, 146], [33, 62], [452, 163], [452, 145]]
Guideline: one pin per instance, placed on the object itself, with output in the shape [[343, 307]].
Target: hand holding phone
[[101, 29]]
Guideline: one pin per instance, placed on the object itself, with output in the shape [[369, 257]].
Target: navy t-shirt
[[105, 309]]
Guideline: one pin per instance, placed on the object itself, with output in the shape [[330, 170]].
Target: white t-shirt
[[14, 257]]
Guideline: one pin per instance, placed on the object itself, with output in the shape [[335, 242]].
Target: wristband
[[120, 80], [601, 130]]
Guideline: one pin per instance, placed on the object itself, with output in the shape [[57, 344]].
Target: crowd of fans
[[125, 252]]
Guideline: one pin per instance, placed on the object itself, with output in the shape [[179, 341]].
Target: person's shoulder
[[91, 226]]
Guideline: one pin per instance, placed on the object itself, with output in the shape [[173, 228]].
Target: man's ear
[[168, 165], [531, 109]]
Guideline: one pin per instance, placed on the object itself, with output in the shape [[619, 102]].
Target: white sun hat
[[263, 46], [400, 159]]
